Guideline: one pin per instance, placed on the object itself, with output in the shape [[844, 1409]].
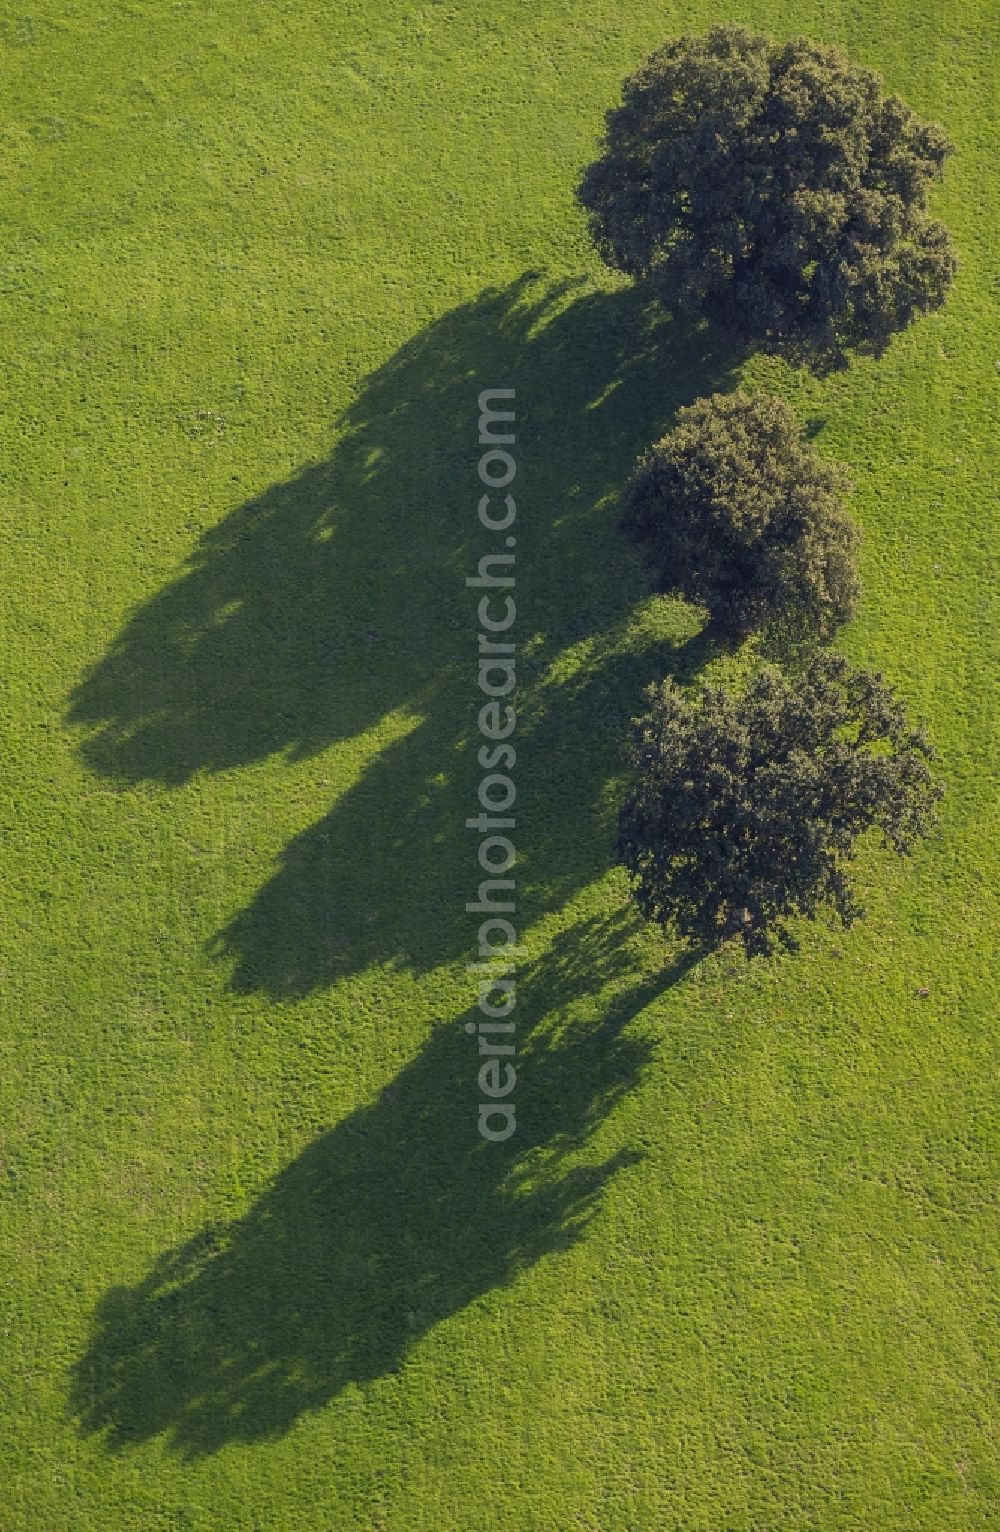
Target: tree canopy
[[745, 810], [738, 512], [775, 189]]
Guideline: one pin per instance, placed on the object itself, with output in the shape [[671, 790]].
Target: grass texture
[[737, 1268]]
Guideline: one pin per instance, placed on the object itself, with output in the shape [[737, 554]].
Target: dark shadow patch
[[317, 609], [396, 1219]]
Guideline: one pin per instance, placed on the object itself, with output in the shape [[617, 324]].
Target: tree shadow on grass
[[338, 598], [333, 598], [385, 876], [306, 618], [396, 1219]]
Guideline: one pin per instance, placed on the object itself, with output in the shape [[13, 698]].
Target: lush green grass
[[736, 1269]]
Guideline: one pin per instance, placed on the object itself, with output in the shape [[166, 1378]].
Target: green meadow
[[736, 1270]]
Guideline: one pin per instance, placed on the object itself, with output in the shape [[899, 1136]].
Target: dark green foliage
[[746, 809], [738, 512], [773, 188]]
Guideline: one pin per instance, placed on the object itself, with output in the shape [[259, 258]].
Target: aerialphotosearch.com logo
[[495, 902]]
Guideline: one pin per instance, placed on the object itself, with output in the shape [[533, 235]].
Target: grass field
[[737, 1267]]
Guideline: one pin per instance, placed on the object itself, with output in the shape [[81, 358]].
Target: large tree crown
[[774, 188], [745, 810], [737, 511]]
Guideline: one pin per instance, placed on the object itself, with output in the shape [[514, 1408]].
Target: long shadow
[[334, 597], [304, 619], [391, 1222], [338, 597], [385, 876]]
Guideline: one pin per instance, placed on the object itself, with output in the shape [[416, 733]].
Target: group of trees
[[773, 190]]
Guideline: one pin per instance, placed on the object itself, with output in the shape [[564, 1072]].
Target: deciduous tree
[[774, 188], [746, 809], [737, 511]]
